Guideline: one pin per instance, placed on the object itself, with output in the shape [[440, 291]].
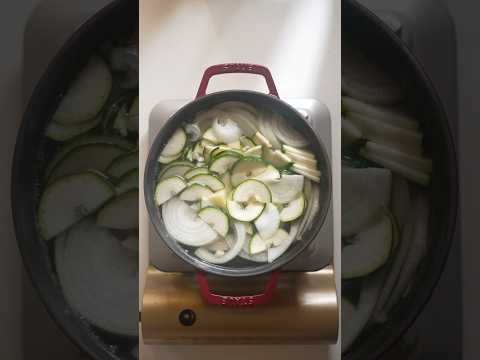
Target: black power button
[[187, 317]]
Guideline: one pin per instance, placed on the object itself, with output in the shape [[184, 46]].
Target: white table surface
[[298, 40]]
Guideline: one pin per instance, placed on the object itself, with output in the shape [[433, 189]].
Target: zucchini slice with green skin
[[293, 210], [87, 94], [168, 188], [85, 140], [245, 141], [245, 168], [236, 246], [286, 188], [268, 223], [223, 163], [222, 149], [179, 168], [121, 212], [206, 179], [183, 224], [257, 245], [195, 171], [252, 189], [216, 218], [370, 250], [86, 157], [254, 151], [128, 181], [60, 132], [123, 164], [245, 213], [176, 144], [69, 199], [168, 159], [195, 192]]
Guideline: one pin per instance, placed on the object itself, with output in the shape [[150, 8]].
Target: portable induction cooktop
[[174, 311]]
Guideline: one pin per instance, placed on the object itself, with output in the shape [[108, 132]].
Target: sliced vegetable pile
[[88, 208], [384, 207], [235, 183]]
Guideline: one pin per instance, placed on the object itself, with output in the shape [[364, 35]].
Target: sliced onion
[[286, 188], [226, 130], [268, 222], [185, 226], [204, 119], [193, 131], [265, 123], [235, 248], [275, 252], [287, 133], [99, 277]]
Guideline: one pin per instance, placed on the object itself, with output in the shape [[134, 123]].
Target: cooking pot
[[379, 43], [271, 102], [32, 153]]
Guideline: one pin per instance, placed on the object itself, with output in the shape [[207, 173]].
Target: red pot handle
[[237, 301], [236, 68]]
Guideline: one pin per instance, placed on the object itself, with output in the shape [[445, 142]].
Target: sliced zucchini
[[179, 168], [261, 140], [60, 132], [294, 150], [369, 250], [168, 159], [277, 238], [69, 199], [257, 245], [183, 224], [208, 150], [245, 168], [216, 218], [273, 253], [286, 189], [128, 181], [123, 164], [236, 145], [246, 142], [268, 223], [121, 212], [87, 94], [195, 192], [270, 174], [252, 190], [86, 157], [222, 150], [176, 144], [293, 210], [195, 171], [210, 136], [277, 158], [223, 163], [308, 172], [245, 213], [254, 151], [85, 140], [226, 179], [218, 199], [206, 179], [168, 188]]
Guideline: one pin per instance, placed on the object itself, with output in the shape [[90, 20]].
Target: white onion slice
[[185, 226], [226, 130], [268, 222], [287, 133], [275, 252], [286, 188], [99, 277], [235, 248]]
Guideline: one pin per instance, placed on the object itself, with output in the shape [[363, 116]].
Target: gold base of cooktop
[[303, 310]]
